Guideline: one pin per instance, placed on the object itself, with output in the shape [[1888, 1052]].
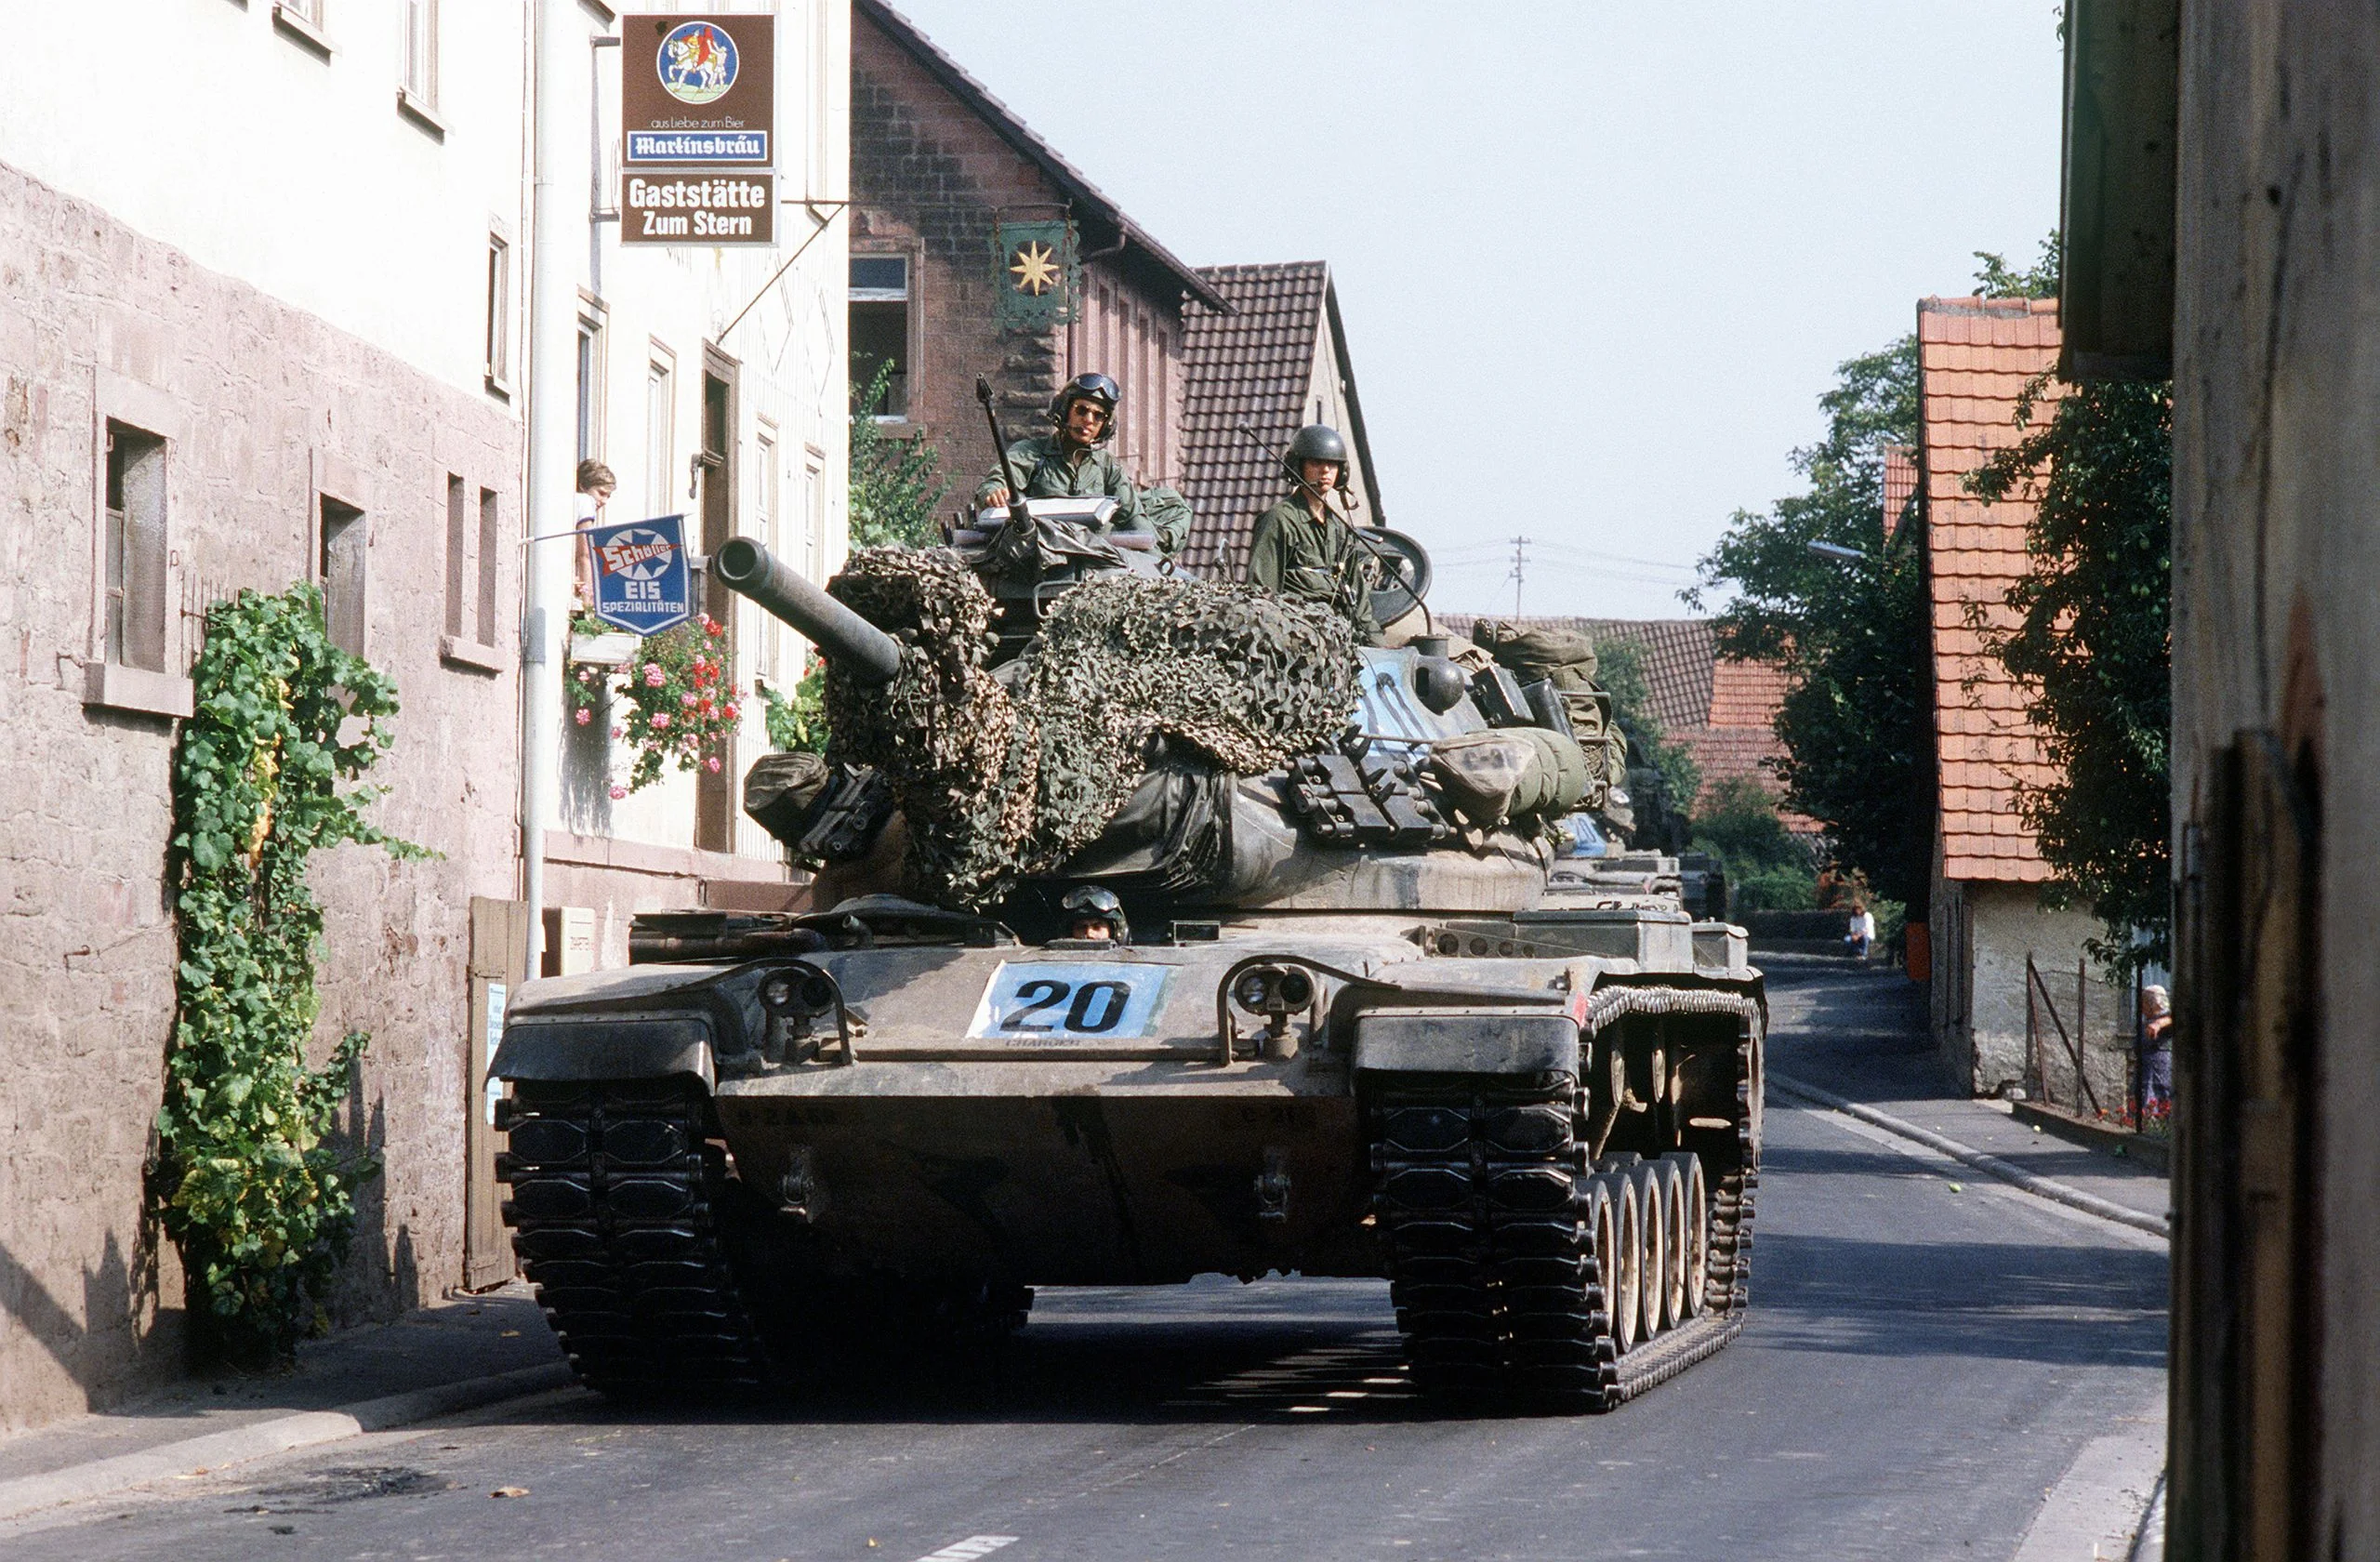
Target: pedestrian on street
[[596, 484], [1862, 931], [2156, 1050], [1302, 548]]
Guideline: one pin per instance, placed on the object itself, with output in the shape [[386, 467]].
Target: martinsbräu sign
[[639, 574]]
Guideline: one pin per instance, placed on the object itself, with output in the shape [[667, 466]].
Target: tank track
[[1482, 1195], [614, 1217]]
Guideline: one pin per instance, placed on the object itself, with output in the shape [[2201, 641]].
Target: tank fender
[[596, 1047], [1467, 1041]]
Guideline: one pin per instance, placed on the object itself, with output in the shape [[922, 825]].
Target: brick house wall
[[935, 162], [267, 410]]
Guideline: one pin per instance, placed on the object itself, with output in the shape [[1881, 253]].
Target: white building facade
[[266, 280]]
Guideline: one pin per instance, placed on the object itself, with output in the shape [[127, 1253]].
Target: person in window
[[2156, 1051], [595, 487], [1306, 549], [1862, 933], [1072, 461]]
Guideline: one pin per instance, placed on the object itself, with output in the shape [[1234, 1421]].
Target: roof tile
[[1976, 358]]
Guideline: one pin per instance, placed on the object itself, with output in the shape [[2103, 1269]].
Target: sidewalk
[[472, 1338], [1861, 1032]]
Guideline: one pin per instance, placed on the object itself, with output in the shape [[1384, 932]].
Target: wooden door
[[2246, 1279], [499, 960]]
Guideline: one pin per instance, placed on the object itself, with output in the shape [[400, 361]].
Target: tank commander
[[1305, 550], [1071, 462]]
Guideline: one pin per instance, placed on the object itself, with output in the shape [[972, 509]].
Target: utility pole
[[552, 432], [1520, 570]]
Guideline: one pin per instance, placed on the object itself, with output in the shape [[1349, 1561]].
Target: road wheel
[[1652, 1225], [1693, 1203], [1628, 1256]]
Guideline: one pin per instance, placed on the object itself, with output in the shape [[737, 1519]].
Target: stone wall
[[1984, 933], [268, 409]]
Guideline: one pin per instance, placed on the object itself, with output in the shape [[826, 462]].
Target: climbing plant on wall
[[250, 1182]]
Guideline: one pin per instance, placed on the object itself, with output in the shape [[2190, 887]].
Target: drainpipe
[[553, 444]]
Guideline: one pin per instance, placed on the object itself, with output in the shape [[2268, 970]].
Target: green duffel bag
[[1565, 656]]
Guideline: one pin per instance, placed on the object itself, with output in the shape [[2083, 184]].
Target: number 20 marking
[[1097, 1007]]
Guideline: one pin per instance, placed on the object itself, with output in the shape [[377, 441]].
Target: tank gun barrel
[[856, 646]]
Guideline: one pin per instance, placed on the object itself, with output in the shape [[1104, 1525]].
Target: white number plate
[[1054, 1003]]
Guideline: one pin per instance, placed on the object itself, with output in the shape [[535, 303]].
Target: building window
[[879, 327], [590, 387], [499, 315], [491, 555], [659, 443], [417, 54], [814, 522], [764, 517], [458, 553], [303, 21], [136, 549], [344, 538]]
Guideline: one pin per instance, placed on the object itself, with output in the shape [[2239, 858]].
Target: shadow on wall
[[381, 1278], [587, 767], [121, 1331]]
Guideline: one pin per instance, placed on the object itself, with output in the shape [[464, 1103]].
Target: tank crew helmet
[[1319, 441], [1096, 388], [1096, 913]]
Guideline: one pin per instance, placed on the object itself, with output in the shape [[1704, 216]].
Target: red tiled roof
[[1975, 358], [1254, 367], [1900, 484], [1746, 693]]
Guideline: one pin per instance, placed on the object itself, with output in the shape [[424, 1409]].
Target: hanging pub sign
[[690, 206], [1036, 278], [698, 91], [639, 574]]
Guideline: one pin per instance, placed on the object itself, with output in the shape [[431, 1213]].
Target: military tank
[[1267, 973]]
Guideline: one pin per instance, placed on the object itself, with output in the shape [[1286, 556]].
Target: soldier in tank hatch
[[1072, 461], [1304, 547]]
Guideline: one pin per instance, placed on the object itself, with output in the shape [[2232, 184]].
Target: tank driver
[[1072, 462], [1304, 548]]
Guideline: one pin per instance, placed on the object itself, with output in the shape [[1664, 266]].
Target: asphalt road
[[1922, 1366]]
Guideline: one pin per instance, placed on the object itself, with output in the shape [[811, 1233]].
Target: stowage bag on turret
[[998, 782]]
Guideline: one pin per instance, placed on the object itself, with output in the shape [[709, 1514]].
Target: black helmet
[[1092, 386], [1318, 441], [1087, 901]]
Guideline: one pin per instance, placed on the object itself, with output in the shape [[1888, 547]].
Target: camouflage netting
[[1001, 783]]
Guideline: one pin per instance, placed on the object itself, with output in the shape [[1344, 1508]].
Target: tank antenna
[[999, 448]]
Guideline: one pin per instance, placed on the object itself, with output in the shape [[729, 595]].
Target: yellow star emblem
[[1034, 271]]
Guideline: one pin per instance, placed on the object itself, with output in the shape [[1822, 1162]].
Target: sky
[[1597, 261]]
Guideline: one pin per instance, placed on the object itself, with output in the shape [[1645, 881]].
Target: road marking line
[[969, 1549]]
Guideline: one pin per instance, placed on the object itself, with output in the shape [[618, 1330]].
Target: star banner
[[1037, 277]]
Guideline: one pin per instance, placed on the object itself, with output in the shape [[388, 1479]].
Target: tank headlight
[[1273, 989], [1254, 989], [802, 992]]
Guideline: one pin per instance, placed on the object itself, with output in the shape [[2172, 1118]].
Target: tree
[[895, 482], [1661, 770], [1850, 635], [2092, 645]]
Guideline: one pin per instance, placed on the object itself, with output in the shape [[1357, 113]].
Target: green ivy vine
[[249, 1182]]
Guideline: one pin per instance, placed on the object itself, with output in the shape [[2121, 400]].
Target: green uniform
[[1048, 474], [1308, 559]]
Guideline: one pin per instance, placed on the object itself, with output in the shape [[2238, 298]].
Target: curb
[[280, 1434], [2007, 1171], [2095, 1136]]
